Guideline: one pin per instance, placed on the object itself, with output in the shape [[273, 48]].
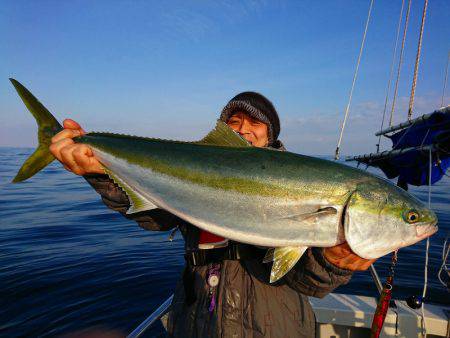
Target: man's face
[[253, 130]]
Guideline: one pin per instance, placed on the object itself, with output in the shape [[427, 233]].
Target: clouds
[[194, 22], [318, 132], [186, 24], [166, 69]]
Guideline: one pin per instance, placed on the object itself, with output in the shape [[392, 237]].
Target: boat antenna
[[336, 156], [445, 80], [391, 73], [416, 67], [400, 61]]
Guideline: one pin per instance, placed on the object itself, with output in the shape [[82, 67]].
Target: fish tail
[[48, 126]]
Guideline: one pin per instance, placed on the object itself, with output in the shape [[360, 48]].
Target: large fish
[[252, 195]]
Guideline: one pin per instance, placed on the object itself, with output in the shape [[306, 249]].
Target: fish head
[[380, 217]]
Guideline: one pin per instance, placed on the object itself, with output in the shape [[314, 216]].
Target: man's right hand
[[75, 157]]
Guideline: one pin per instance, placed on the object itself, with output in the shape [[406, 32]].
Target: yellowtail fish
[[259, 196]]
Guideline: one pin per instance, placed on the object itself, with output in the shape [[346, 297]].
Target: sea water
[[67, 262]]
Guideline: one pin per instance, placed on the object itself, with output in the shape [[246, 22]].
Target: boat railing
[[150, 320]]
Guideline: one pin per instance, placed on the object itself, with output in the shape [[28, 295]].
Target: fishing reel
[[414, 302]]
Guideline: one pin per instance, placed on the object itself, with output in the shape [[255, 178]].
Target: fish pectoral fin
[[284, 260], [222, 135], [138, 202], [269, 255], [320, 212]]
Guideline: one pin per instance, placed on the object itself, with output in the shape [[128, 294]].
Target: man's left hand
[[343, 257]]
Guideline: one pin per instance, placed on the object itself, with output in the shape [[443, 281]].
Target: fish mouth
[[426, 230]]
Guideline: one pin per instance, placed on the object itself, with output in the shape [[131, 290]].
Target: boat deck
[[342, 315]]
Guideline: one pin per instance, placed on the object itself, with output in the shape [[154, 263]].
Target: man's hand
[[77, 158], [343, 257]]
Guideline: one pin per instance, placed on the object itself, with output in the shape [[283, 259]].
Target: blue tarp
[[412, 167]]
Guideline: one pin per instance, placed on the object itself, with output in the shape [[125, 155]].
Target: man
[[225, 289]]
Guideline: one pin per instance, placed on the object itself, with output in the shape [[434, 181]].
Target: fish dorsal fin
[[222, 135], [138, 202], [284, 259]]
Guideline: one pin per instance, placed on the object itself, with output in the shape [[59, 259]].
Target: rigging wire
[[400, 61], [445, 80], [336, 156], [416, 67], [391, 73]]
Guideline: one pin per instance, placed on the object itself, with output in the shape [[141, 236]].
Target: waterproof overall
[[246, 304]]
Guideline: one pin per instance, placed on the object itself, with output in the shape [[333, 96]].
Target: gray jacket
[[247, 305]]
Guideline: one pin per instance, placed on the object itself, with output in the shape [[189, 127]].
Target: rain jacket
[[247, 305]]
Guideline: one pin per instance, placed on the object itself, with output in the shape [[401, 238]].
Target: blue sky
[[166, 69]]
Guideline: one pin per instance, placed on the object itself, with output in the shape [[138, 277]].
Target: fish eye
[[412, 216]]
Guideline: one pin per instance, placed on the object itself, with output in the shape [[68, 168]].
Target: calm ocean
[[67, 262]]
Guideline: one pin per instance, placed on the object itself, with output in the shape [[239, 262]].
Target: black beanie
[[258, 107]]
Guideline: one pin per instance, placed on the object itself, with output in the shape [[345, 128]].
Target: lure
[[383, 302]]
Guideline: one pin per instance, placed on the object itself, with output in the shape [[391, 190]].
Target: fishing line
[[388, 90], [336, 156], [385, 301], [425, 285], [425, 274], [445, 80], [404, 134], [400, 61], [425, 137], [445, 253]]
